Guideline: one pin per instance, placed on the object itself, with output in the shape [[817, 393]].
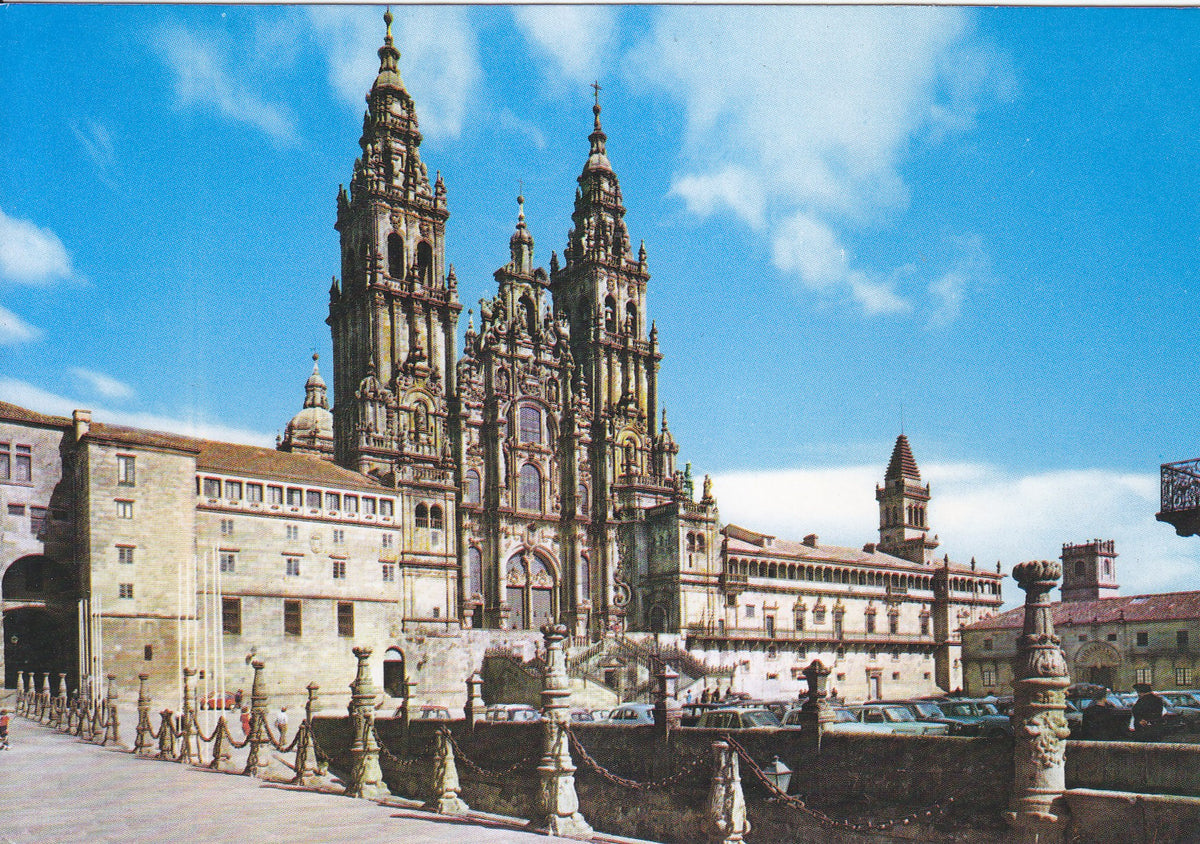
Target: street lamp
[[779, 774]]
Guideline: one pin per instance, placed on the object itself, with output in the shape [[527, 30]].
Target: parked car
[[512, 712], [691, 712], [981, 713], [219, 700], [600, 714], [932, 713], [432, 712], [1004, 705], [737, 718], [581, 716], [632, 714], [901, 719], [847, 721]]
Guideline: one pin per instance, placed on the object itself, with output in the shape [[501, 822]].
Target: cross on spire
[[596, 87]]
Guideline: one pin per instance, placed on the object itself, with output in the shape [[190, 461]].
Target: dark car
[[931, 712]]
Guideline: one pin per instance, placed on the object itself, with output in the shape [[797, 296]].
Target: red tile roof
[[16, 413], [1167, 606], [902, 463]]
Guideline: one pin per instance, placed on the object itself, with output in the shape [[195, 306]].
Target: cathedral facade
[[442, 502]]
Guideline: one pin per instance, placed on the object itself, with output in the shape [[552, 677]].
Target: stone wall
[[1145, 768]]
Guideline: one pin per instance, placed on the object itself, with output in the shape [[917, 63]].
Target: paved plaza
[[57, 788]]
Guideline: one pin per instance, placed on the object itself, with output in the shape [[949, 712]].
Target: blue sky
[[982, 220]]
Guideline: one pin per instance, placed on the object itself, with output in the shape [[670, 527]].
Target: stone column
[[21, 692], [668, 714], [1037, 811], [366, 777], [475, 711], [559, 804], [726, 803], [445, 799], [258, 722], [142, 741], [815, 713]]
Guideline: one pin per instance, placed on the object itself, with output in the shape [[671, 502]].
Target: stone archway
[[393, 673], [1096, 662], [530, 585], [40, 627]]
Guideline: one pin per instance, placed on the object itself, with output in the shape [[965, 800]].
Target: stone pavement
[[57, 788]]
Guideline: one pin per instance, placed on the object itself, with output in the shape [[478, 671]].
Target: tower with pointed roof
[[903, 503], [600, 292], [394, 313]]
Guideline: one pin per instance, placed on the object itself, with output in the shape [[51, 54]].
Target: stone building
[[885, 617], [443, 503], [1114, 641]]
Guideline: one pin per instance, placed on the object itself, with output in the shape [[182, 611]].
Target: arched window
[[425, 262], [631, 326], [529, 488], [531, 316], [395, 248], [585, 577], [422, 516], [1080, 568], [474, 571], [700, 543], [610, 315], [691, 542], [472, 494], [541, 589], [530, 424], [435, 517], [581, 496]]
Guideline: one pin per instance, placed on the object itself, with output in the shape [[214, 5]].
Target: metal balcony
[[1180, 497]]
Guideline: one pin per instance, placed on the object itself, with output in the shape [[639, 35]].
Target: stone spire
[[521, 242], [389, 58], [311, 430], [314, 388], [902, 464]]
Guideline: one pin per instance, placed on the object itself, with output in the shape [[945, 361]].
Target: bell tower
[[903, 501], [393, 316]]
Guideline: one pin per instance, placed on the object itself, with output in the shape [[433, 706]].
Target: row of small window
[[819, 618], [293, 617], [915, 515], [1141, 639], [294, 496], [37, 516]]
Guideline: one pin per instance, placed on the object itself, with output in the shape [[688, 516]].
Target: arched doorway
[[530, 583], [41, 632], [1096, 662], [393, 672]]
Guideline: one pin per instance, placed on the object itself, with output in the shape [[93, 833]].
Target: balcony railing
[[1180, 496], [811, 637]]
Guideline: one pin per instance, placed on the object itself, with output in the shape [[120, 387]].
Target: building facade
[[533, 478], [884, 618], [1114, 641]]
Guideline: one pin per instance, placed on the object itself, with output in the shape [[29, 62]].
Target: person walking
[[281, 724]]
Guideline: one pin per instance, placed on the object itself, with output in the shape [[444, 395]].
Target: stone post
[[445, 799], [815, 713], [475, 711], [305, 744], [258, 722], [22, 693], [726, 803], [113, 732], [1037, 811], [366, 777], [668, 714], [80, 714], [43, 695], [188, 727], [559, 804], [166, 734], [141, 742]]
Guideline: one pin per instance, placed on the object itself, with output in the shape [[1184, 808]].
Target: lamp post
[[779, 774]]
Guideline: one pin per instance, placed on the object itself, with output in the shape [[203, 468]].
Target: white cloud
[[96, 141], [509, 120], [578, 40], [814, 109], [103, 385], [948, 292], [15, 330], [979, 511], [31, 254], [438, 60], [202, 78], [190, 424]]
